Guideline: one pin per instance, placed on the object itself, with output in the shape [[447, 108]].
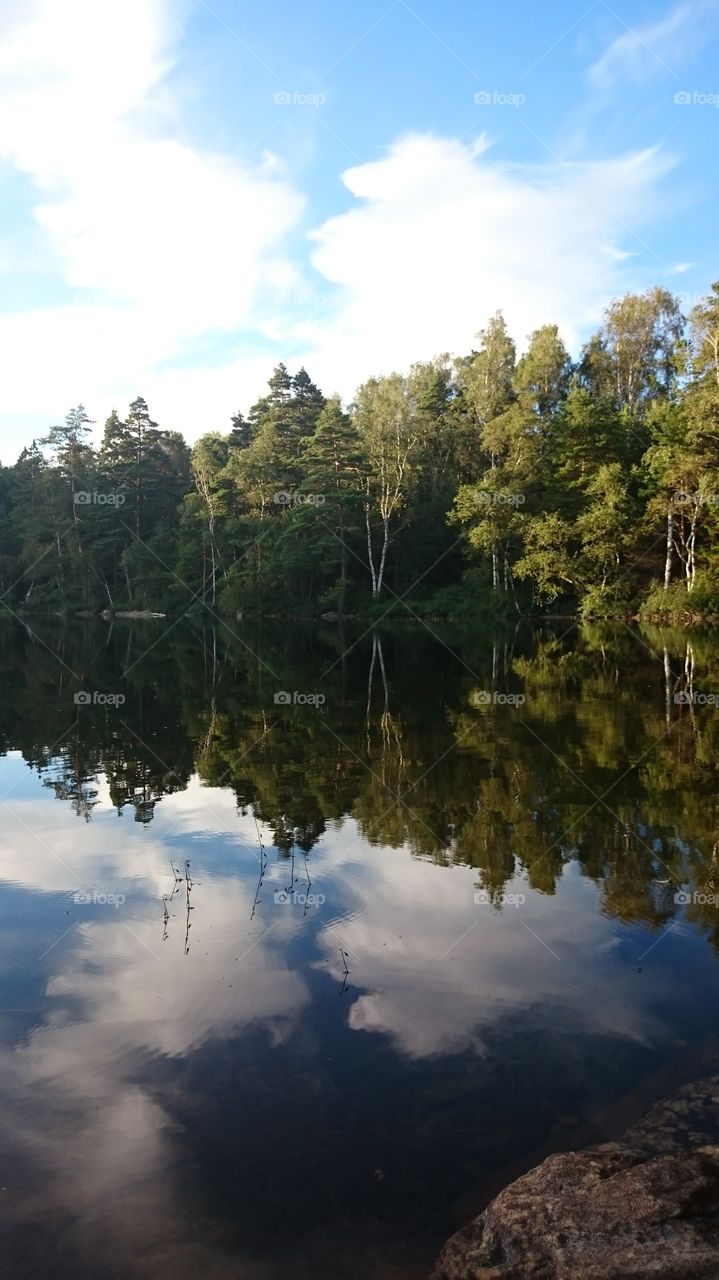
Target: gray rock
[[645, 1208]]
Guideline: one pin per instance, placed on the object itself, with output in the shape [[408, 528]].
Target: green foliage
[[487, 483], [676, 602]]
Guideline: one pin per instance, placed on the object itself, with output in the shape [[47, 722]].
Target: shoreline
[[646, 1204]]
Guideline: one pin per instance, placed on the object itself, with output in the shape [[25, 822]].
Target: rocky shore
[[643, 1208]]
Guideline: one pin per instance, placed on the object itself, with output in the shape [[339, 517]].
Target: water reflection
[[516, 902]]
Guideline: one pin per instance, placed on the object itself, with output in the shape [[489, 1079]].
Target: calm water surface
[[290, 988]]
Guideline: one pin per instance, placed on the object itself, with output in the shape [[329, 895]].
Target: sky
[[192, 192]]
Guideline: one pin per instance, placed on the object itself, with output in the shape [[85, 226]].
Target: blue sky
[[191, 192]]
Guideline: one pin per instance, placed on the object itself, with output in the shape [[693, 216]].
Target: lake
[[314, 938]]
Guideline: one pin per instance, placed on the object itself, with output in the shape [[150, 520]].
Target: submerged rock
[[644, 1208]]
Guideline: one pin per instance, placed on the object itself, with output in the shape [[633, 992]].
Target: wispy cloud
[[654, 48], [679, 268]]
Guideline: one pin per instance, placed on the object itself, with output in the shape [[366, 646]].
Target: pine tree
[[335, 470]]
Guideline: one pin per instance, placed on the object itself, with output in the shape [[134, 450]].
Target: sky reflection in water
[[190, 1100]]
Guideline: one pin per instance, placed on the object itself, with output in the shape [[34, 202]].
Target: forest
[[485, 484]]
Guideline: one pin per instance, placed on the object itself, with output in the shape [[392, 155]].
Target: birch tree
[[389, 433]]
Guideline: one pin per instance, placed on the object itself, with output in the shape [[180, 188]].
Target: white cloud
[[444, 234], [679, 268], [643, 51], [158, 241], [100, 1138], [96, 1091], [438, 972], [166, 255]]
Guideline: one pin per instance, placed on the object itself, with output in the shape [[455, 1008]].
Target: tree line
[[489, 481]]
